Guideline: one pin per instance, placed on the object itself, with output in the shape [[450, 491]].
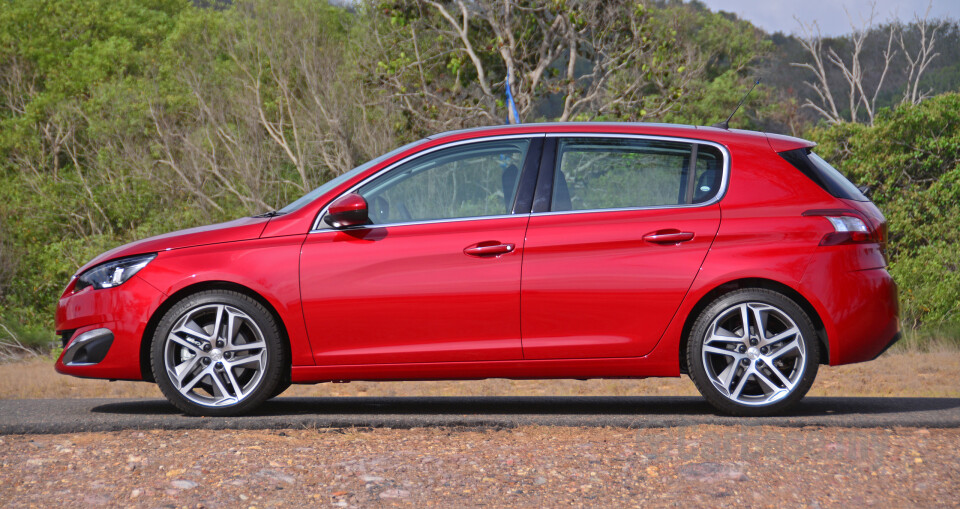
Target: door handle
[[489, 248], [668, 237]]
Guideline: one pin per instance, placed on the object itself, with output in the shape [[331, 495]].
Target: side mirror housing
[[347, 211]]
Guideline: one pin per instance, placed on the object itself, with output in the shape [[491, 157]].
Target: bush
[[910, 159], [929, 287]]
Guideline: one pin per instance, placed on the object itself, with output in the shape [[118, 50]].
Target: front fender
[[268, 267]]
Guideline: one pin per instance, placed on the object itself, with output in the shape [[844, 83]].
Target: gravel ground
[[529, 466], [698, 466]]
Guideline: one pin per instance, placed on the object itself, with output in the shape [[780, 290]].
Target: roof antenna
[[726, 123]]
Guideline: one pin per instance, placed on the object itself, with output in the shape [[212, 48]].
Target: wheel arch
[[154, 321], [743, 283]]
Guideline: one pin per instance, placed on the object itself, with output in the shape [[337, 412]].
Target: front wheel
[[753, 352], [218, 353]]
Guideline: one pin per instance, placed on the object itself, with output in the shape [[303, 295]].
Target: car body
[[567, 250]]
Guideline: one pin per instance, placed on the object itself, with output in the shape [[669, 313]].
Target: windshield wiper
[[272, 213]]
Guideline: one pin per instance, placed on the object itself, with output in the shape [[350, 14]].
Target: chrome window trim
[[414, 223], [724, 178], [319, 227], [623, 209]]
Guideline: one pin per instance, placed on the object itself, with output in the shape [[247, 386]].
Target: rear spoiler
[[780, 143]]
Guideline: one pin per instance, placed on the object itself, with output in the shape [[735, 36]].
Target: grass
[[18, 341], [12, 348], [905, 371], [931, 339]]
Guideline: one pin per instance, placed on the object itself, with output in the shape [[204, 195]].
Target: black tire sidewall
[[698, 333], [284, 384], [276, 365]]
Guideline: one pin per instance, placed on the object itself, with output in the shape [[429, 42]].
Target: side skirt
[[623, 367]]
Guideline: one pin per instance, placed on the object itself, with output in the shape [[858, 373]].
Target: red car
[[534, 251]]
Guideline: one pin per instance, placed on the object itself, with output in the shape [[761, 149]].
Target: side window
[[472, 180], [708, 174], [613, 173]]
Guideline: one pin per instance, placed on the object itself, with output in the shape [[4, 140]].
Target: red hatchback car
[[530, 251]]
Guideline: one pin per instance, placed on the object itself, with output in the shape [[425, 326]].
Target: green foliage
[[125, 119], [728, 48], [68, 49], [929, 287], [570, 60], [14, 335], [910, 159], [79, 72]]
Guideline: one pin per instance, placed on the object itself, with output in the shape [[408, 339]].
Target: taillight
[[849, 227], [882, 235]]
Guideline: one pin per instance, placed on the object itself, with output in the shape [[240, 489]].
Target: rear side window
[[615, 173], [823, 174]]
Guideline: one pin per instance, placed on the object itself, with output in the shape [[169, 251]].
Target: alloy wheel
[[754, 354], [215, 355]]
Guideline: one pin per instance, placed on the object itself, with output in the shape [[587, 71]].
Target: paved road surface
[[75, 415]]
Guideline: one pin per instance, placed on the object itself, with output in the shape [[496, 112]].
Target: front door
[[436, 276]]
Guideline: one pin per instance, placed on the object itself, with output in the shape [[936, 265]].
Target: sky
[[778, 15]]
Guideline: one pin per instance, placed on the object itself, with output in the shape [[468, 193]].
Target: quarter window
[[474, 180], [614, 173]]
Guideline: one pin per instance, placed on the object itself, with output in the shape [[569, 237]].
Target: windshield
[[332, 183]]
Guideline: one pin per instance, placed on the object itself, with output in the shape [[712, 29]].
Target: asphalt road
[[77, 415]]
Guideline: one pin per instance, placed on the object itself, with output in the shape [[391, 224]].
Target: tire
[[218, 353], [754, 373], [282, 386]]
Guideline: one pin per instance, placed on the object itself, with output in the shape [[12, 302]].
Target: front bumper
[[88, 348], [122, 311]]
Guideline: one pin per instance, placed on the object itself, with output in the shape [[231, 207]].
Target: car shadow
[[541, 405]]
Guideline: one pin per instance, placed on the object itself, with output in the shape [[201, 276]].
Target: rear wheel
[[753, 352], [218, 353]]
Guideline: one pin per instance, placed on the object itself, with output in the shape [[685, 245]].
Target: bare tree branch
[[917, 62]]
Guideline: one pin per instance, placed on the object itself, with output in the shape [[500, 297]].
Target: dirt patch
[[906, 374], [530, 466]]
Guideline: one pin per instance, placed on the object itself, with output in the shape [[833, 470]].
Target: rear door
[[619, 229]]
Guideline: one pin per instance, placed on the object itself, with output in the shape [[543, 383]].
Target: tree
[[125, 119], [447, 64], [274, 106], [727, 51], [859, 89]]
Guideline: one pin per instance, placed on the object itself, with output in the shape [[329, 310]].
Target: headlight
[[113, 273]]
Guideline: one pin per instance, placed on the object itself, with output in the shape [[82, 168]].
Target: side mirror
[[347, 211]]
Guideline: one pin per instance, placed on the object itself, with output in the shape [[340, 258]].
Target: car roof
[[558, 127], [777, 142]]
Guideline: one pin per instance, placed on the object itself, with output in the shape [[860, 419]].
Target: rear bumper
[[859, 311], [896, 337]]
